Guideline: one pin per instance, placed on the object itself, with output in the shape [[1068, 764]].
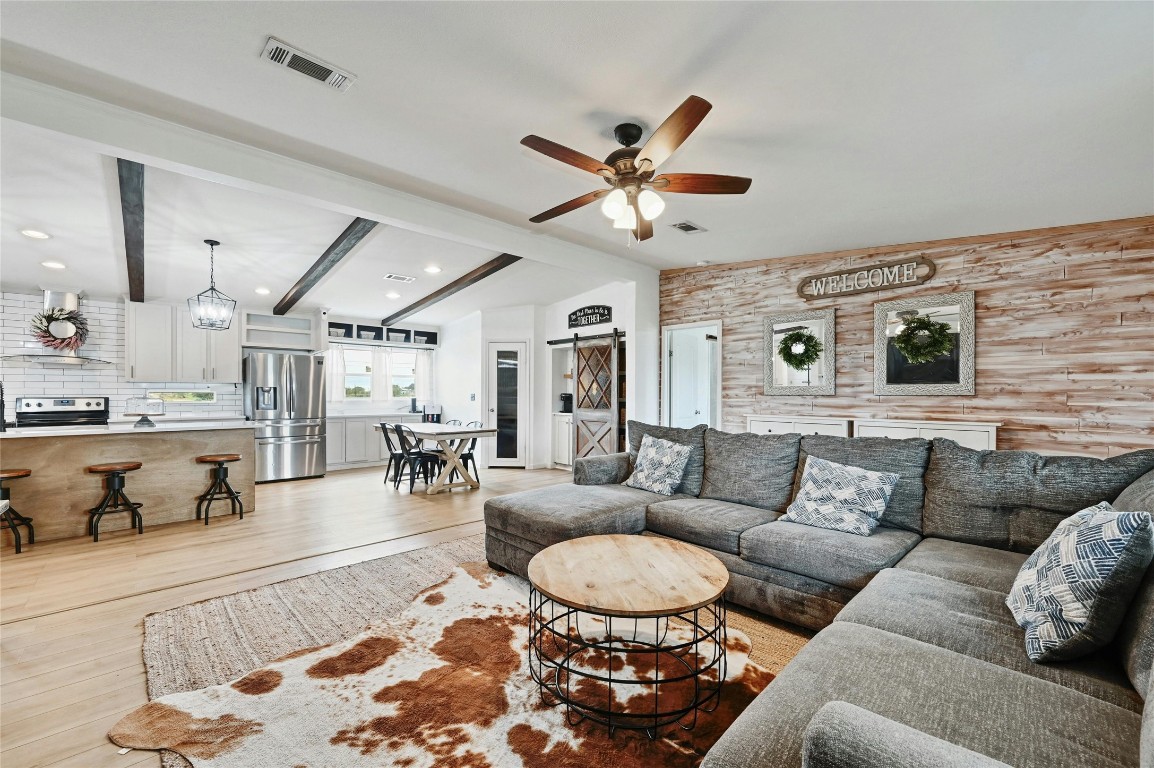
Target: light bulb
[[614, 204], [627, 219], [650, 203]]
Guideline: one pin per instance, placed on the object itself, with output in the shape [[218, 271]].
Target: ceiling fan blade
[[701, 183], [644, 229], [569, 156], [570, 205], [670, 134]]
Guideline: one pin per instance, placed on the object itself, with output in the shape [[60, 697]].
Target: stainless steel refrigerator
[[285, 395]]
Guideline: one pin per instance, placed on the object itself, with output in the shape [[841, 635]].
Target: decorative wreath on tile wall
[[923, 340], [58, 328], [799, 349]]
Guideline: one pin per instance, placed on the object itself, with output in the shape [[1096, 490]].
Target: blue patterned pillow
[[659, 466], [1072, 594], [841, 497]]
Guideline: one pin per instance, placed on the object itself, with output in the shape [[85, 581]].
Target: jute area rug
[[215, 641]]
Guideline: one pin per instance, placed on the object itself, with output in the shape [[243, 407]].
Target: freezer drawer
[[269, 429], [287, 458]]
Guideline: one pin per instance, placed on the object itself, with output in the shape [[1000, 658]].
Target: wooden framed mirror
[[925, 345], [806, 364]]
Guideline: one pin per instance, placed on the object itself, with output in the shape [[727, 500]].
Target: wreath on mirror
[[58, 328], [799, 349], [924, 340]]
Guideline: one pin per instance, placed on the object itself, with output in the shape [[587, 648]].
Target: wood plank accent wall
[[1064, 333]]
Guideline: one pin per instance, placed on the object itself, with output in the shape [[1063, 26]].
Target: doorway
[[508, 395], [691, 376]]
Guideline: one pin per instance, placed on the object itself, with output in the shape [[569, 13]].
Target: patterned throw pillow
[[660, 465], [1072, 594], [840, 497]]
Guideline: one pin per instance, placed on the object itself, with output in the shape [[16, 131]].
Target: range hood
[[52, 357]]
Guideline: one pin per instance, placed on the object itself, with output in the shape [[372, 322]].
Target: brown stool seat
[[118, 466], [214, 458], [8, 474]]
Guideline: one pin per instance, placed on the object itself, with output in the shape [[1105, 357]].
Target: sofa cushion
[[844, 559], [907, 458], [974, 622], [694, 437], [1014, 499], [840, 497], [750, 469], [1135, 641], [705, 522], [1073, 592], [659, 466], [562, 512], [984, 567], [1018, 719]]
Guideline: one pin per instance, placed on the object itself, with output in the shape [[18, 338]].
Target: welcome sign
[[894, 274], [594, 314]]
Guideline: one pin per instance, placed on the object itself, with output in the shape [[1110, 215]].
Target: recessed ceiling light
[[52, 265], [35, 234], [432, 269], [392, 295], [263, 291]]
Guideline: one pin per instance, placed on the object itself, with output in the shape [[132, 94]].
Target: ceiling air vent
[[688, 227], [280, 52], [400, 278]]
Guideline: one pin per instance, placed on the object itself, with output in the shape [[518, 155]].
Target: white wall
[[460, 369]]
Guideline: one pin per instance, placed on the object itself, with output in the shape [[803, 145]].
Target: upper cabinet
[[161, 345], [148, 342], [293, 332], [204, 355]]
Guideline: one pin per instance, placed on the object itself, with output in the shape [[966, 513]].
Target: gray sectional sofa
[[918, 661]]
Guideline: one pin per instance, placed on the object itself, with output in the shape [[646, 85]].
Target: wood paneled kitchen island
[[59, 493]]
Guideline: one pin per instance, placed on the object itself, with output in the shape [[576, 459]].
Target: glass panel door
[[508, 396], [508, 364]]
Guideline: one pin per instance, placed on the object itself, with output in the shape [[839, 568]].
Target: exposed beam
[[461, 283], [131, 175], [332, 256]]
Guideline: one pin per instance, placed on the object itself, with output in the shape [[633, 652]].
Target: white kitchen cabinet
[[978, 435], [563, 439], [148, 342], [805, 425], [356, 440], [191, 349], [224, 354], [335, 442]]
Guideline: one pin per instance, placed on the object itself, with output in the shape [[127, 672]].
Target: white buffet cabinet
[[978, 435], [806, 425], [352, 441]]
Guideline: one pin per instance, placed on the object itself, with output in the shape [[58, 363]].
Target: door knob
[[491, 410]]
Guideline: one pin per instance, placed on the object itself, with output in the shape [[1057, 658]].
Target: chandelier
[[211, 309]]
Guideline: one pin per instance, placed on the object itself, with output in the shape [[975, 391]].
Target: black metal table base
[[633, 673]]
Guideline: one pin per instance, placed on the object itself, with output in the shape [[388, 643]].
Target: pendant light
[[211, 309], [615, 204]]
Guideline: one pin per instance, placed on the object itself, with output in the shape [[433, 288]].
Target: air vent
[[279, 52], [400, 278], [688, 227]]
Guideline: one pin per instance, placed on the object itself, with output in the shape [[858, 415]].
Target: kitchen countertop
[[126, 427]]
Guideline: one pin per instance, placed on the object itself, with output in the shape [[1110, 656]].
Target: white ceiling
[[860, 123]]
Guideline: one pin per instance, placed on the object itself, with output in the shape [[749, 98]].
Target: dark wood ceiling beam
[[460, 284], [332, 256], [131, 176]]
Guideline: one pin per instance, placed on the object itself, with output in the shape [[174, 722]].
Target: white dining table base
[[452, 450]]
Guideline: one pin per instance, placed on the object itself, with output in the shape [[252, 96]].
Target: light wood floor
[[71, 611]]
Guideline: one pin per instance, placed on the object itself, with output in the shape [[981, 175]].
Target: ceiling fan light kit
[[632, 203], [210, 309]]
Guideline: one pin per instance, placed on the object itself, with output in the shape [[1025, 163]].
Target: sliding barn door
[[595, 412]]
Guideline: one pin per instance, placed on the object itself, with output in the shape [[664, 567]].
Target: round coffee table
[[628, 631]]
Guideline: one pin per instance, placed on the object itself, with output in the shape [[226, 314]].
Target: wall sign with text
[[894, 274], [594, 314]]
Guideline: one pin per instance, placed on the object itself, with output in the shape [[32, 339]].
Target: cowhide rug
[[447, 685]]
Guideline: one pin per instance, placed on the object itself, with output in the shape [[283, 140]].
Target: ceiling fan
[[631, 200]]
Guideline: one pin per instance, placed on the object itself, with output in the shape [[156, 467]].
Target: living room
[[983, 169]]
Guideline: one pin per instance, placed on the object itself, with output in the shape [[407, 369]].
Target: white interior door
[[508, 406], [692, 393]]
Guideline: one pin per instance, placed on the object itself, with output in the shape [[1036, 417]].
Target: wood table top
[[630, 576], [446, 431]]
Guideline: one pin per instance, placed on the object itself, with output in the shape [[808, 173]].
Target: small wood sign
[[594, 314], [893, 274]]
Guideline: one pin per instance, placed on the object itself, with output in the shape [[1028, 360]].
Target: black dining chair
[[396, 457], [413, 456]]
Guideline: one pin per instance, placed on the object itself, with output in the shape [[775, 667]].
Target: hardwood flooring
[[71, 610]]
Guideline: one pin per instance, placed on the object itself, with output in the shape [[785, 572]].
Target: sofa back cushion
[[756, 470], [694, 437], [1135, 642], [1014, 499], [906, 458]]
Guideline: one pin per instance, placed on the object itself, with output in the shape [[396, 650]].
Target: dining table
[[453, 441]]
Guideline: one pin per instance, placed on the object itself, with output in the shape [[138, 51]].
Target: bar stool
[[114, 499], [10, 519], [220, 488]]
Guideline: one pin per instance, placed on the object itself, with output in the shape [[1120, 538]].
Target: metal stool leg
[[220, 489]]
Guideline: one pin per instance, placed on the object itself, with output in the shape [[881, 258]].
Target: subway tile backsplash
[[105, 342]]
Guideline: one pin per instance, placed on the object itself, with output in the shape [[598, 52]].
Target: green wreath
[[923, 340], [811, 349], [42, 325]]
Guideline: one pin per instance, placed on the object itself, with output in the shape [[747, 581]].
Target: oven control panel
[[59, 404]]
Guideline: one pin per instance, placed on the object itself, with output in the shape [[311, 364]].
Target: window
[[403, 373], [377, 374], [358, 374]]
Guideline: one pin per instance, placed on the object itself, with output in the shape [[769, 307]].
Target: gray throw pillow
[[745, 468], [694, 437], [660, 465], [841, 498], [1072, 594]]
